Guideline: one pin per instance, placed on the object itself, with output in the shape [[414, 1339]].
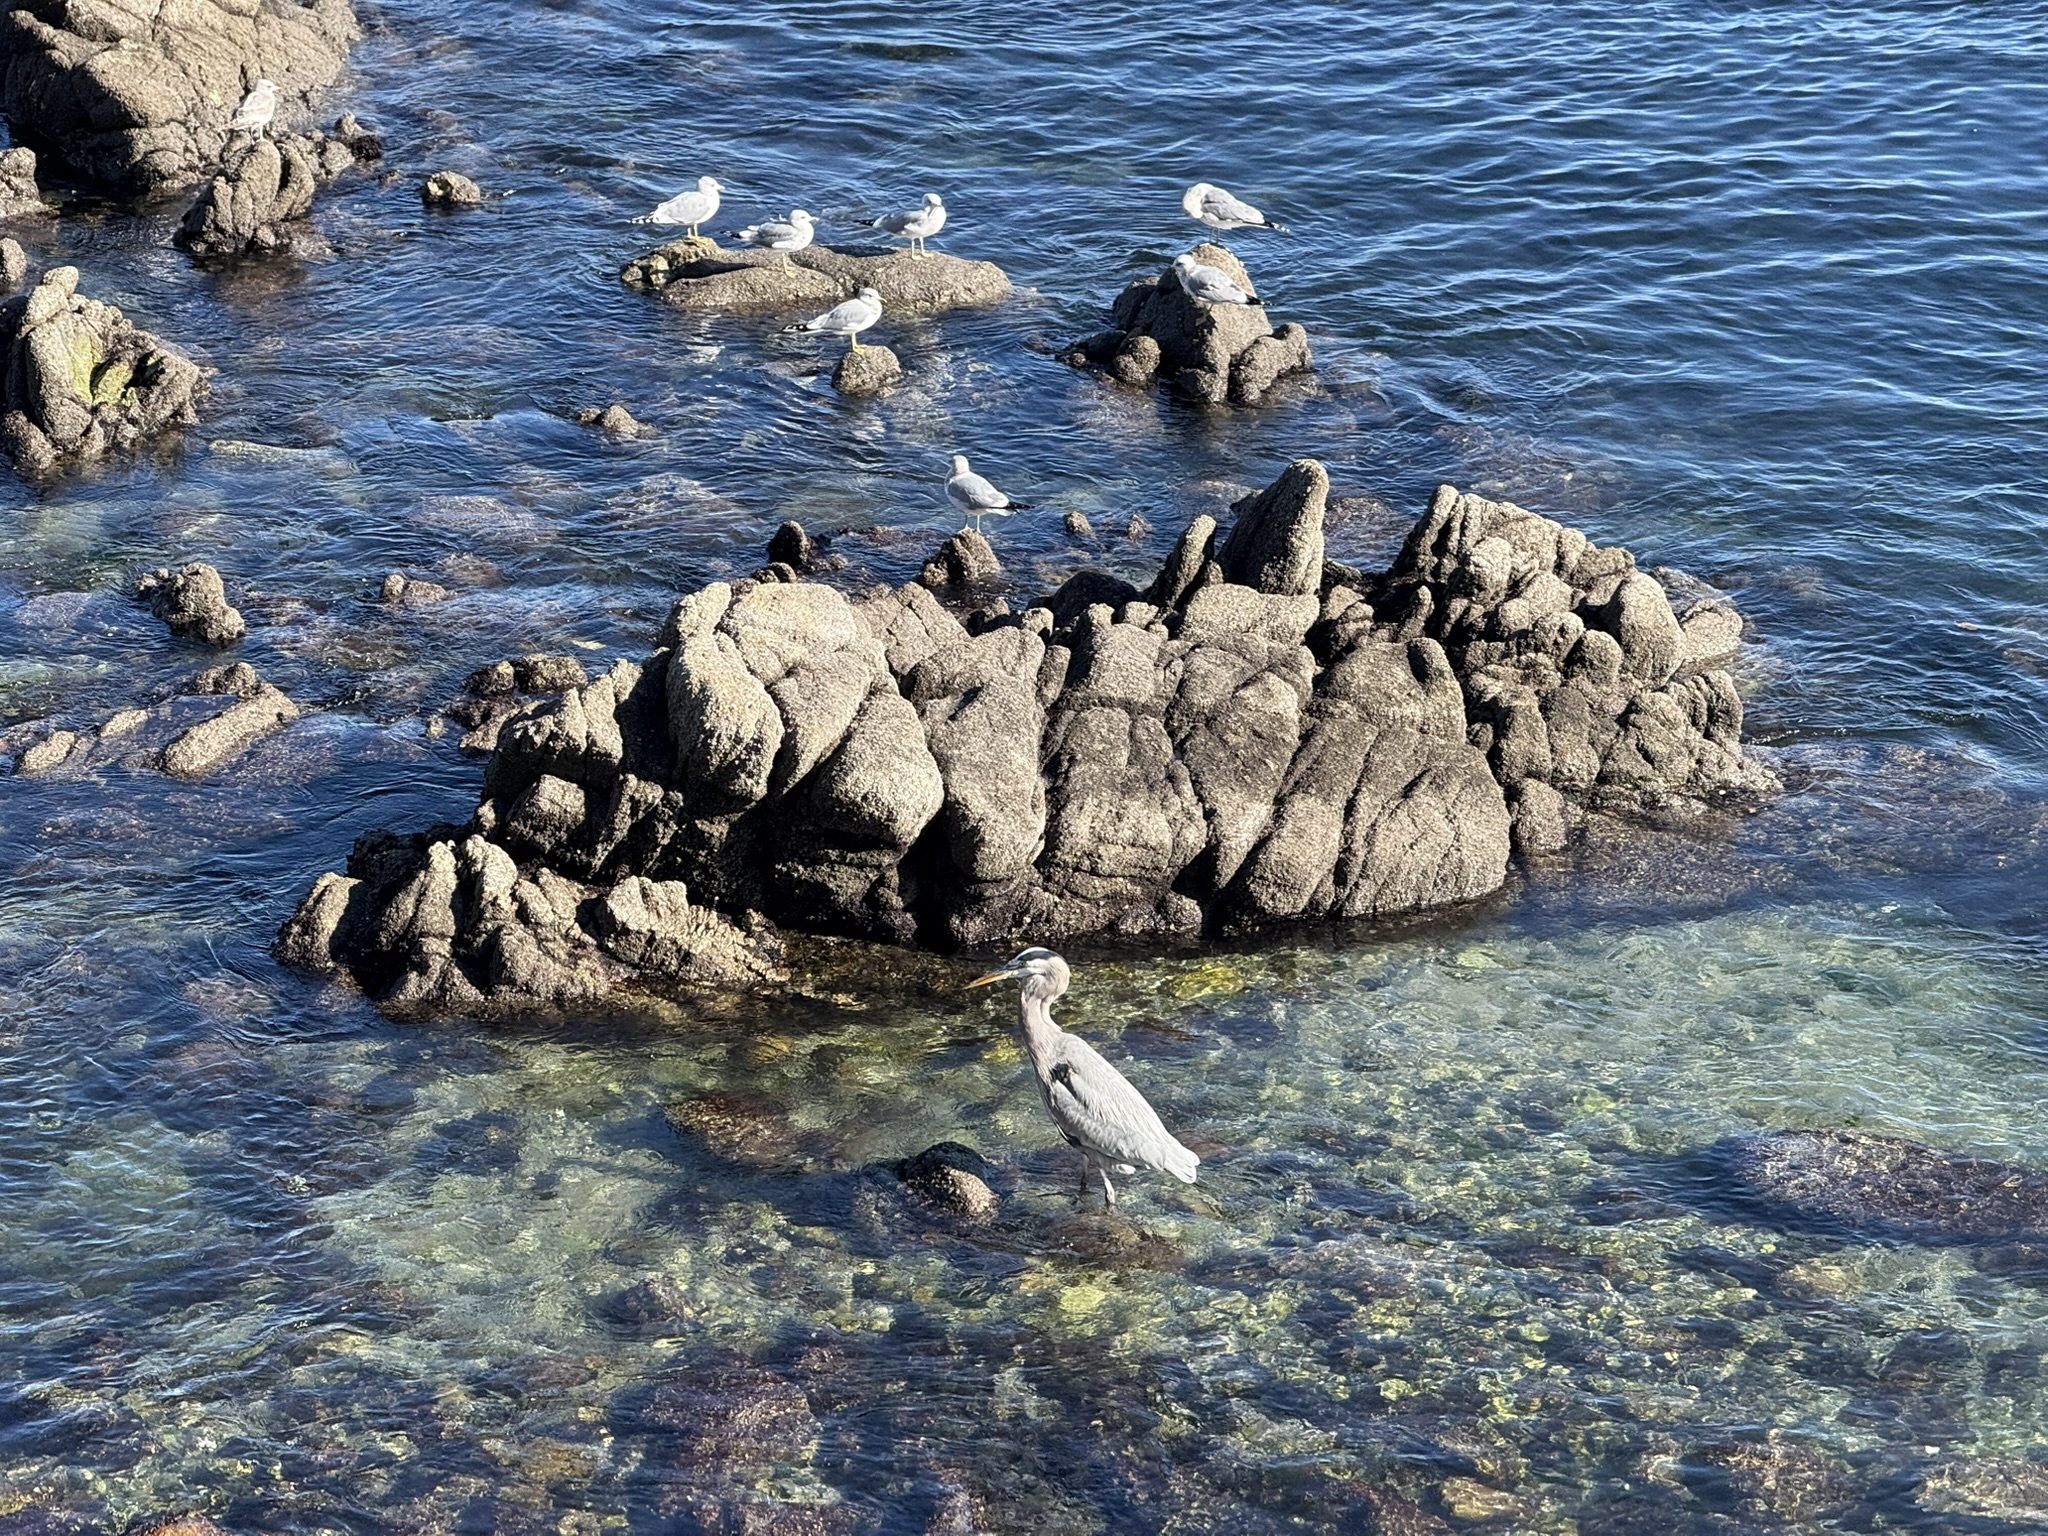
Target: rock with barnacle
[[1261, 735], [1214, 352]]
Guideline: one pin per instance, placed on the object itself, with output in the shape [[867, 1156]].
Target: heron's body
[[1219, 210], [847, 319], [918, 225], [256, 110], [784, 235], [1207, 284], [1093, 1105], [689, 209], [975, 497]]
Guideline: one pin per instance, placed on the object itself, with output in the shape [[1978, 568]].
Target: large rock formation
[[1248, 740], [1212, 352], [701, 274], [140, 96], [259, 203], [81, 380]]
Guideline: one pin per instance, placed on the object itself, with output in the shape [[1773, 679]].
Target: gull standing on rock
[[1207, 284], [975, 497], [848, 319], [784, 235], [918, 225], [1094, 1106], [256, 110], [1219, 210], [688, 209]]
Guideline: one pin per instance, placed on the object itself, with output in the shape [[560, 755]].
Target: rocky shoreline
[[1261, 735]]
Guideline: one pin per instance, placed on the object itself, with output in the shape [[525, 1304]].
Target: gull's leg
[[854, 337], [787, 264]]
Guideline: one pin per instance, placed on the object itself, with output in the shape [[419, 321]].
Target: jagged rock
[[140, 96], [613, 418], [792, 547], [1212, 352], [701, 274], [867, 372], [81, 380], [13, 264], [951, 1179], [206, 746], [258, 205], [1885, 1187], [400, 591], [1249, 740], [964, 560], [193, 602], [47, 754], [450, 189], [19, 194], [491, 694], [186, 736], [364, 145]]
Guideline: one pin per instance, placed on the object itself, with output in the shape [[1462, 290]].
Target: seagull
[[784, 235], [975, 497], [848, 319], [256, 110], [688, 209], [918, 225], [1219, 210], [1093, 1105], [1206, 284]]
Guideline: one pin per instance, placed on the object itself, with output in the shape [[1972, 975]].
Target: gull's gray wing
[[973, 491], [1220, 204]]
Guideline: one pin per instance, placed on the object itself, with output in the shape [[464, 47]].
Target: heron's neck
[[1034, 1012]]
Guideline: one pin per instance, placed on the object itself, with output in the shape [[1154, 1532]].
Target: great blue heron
[[918, 225], [848, 319], [689, 209], [1219, 210], [1209, 285], [975, 497], [1088, 1099], [784, 235], [256, 110]]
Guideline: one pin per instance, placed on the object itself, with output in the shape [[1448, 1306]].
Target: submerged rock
[[19, 195], [193, 601], [1247, 741], [81, 380], [259, 204], [1884, 1187], [450, 189], [1214, 352], [197, 752], [140, 96], [614, 419], [401, 591], [701, 274], [867, 372], [187, 736], [951, 1179]]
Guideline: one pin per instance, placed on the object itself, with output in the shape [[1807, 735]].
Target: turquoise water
[[1752, 292]]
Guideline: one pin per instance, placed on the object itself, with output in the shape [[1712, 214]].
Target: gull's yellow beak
[[982, 981]]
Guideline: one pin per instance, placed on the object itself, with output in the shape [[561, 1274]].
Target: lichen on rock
[[81, 380], [1259, 736], [1220, 353]]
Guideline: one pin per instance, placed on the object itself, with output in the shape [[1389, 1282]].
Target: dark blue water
[[1755, 292]]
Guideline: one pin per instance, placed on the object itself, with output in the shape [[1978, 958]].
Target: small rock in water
[[450, 189], [190, 1523], [13, 264], [1136, 528], [964, 560], [613, 418], [19, 194], [362, 143], [952, 1178], [192, 600], [867, 372], [259, 203], [237, 678], [1078, 526], [792, 547], [657, 1299], [46, 754], [399, 592], [229, 734]]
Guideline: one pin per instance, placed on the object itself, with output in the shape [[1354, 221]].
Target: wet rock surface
[[614, 420], [20, 196], [701, 274], [1884, 1187], [952, 1180], [259, 204], [81, 380], [492, 695], [13, 264], [1220, 353], [193, 602], [451, 189], [1252, 739], [214, 719], [141, 97], [867, 372]]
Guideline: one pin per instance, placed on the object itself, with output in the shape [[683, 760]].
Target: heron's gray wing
[[1220, 204], [1093, 1104]]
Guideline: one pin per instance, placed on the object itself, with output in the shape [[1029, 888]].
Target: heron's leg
[[1108, 1190], [1087, 1167]]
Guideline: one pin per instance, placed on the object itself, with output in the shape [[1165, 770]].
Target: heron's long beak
[[982, 981]]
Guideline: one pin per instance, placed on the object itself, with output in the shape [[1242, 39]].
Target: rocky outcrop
[[1214, 352], [81, 380], [20, 197], [492, 695], [193, 602], [949, 1179], [259, 204], [217, 717], [1249, 740], [701, 274], [140, 96]]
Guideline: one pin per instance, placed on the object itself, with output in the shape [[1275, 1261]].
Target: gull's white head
[[933, 200], [798, 216], [267, 85], [959, 463], [1192, 198], [1185, 263], [709, 184], [870, 295]]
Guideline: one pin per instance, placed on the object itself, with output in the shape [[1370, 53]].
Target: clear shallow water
[[1751, 292]]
